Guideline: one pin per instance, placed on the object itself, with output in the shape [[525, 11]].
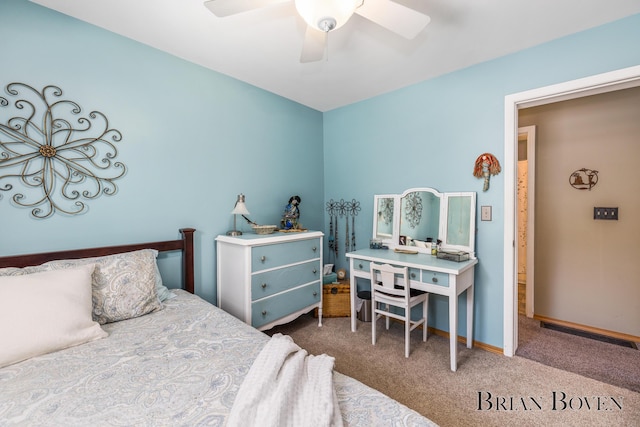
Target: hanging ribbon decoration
[[343, 212], [354, 208], [335, 234], [338, 210], [331, 210], [486, 165]]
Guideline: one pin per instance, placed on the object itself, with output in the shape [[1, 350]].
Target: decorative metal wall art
[[338, 210], [584, 179], [413, 209], [53, 152], [486, 165]]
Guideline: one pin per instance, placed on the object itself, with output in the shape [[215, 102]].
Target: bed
[[181, 362]]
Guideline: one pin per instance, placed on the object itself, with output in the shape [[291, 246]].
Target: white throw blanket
[[287, 387]]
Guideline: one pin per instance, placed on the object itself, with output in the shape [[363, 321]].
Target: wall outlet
[[485, 213], [605, 213]]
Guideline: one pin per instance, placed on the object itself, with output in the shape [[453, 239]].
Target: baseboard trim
[[590, 329], [463, 340]]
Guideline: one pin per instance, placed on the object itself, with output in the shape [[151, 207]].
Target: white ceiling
[[262, 47]]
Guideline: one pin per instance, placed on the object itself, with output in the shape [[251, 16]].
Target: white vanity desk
[[427, 273], [417, 215]]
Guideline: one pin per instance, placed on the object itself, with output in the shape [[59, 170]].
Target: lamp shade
[[326, 15], [240, 208]]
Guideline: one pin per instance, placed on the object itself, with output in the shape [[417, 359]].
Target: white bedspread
[[179, 367], [287, 387]]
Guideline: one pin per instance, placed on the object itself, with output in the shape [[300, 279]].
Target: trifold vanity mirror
[[418, 215]]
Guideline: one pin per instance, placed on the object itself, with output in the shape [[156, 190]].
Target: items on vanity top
[[267, 280], [457, 256], [420, 216]]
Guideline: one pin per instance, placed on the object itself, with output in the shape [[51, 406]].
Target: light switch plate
[[485, 213], [605, 213]]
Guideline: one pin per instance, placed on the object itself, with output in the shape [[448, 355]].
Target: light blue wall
[[192, 140], [430, 134]]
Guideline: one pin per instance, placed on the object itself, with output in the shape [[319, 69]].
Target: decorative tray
[[264, 229], [457, 256]]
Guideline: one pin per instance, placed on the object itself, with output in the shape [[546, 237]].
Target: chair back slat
[[387, 276]]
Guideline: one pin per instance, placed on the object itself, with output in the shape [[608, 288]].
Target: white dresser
[[268, 280]]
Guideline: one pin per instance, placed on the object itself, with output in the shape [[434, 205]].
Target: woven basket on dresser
[[335, 300]]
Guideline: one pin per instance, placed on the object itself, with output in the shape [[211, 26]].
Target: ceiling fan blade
[[222, 8], [313, 45], [394, 17]]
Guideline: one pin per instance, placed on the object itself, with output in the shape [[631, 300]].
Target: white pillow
[[45, 312]]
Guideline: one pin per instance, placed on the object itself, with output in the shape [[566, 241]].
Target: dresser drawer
[[435, 278], [274, 281], [272, 308], [271, 256]]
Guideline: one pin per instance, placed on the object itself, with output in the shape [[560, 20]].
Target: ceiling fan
[[323, 16]]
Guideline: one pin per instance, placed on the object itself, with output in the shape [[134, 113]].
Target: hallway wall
[[585, 270]]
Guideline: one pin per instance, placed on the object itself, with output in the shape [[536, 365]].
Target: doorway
[[615, 80], [526, 169]]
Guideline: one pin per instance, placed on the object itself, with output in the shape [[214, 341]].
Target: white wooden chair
[[386, 293]]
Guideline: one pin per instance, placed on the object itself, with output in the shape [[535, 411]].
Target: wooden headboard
[[185, 244]]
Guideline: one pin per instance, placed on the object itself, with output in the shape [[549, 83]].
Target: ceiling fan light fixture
[[327, 24], [326, 15]]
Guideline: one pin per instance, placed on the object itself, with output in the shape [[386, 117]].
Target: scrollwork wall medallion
[[59, 157]]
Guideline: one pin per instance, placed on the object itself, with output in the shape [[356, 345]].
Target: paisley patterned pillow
[[123, 285]]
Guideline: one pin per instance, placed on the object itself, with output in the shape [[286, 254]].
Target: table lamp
[[238, 209]]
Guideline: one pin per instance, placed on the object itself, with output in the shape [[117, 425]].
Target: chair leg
[[388, 308], [374, 318], [407, 333]]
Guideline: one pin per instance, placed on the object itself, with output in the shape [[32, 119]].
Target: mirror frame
[[386, 239], [470, 221], [443, 226], [402, 196]]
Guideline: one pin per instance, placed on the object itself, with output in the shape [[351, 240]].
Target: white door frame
[[601, 83], [530, 132]]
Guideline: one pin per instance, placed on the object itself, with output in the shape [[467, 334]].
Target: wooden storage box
[[335, 300]]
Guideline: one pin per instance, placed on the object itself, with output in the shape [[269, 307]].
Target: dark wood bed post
[[187, 259]]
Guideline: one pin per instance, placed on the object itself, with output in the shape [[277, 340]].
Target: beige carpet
[[487, 390], [602, 361]]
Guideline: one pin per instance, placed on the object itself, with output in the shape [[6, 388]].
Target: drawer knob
[[413, 275], [264, 312], [264, 285], [360, 266], [434, 279], [315, 271], [263, 258], [315, 294], [314, 249]]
